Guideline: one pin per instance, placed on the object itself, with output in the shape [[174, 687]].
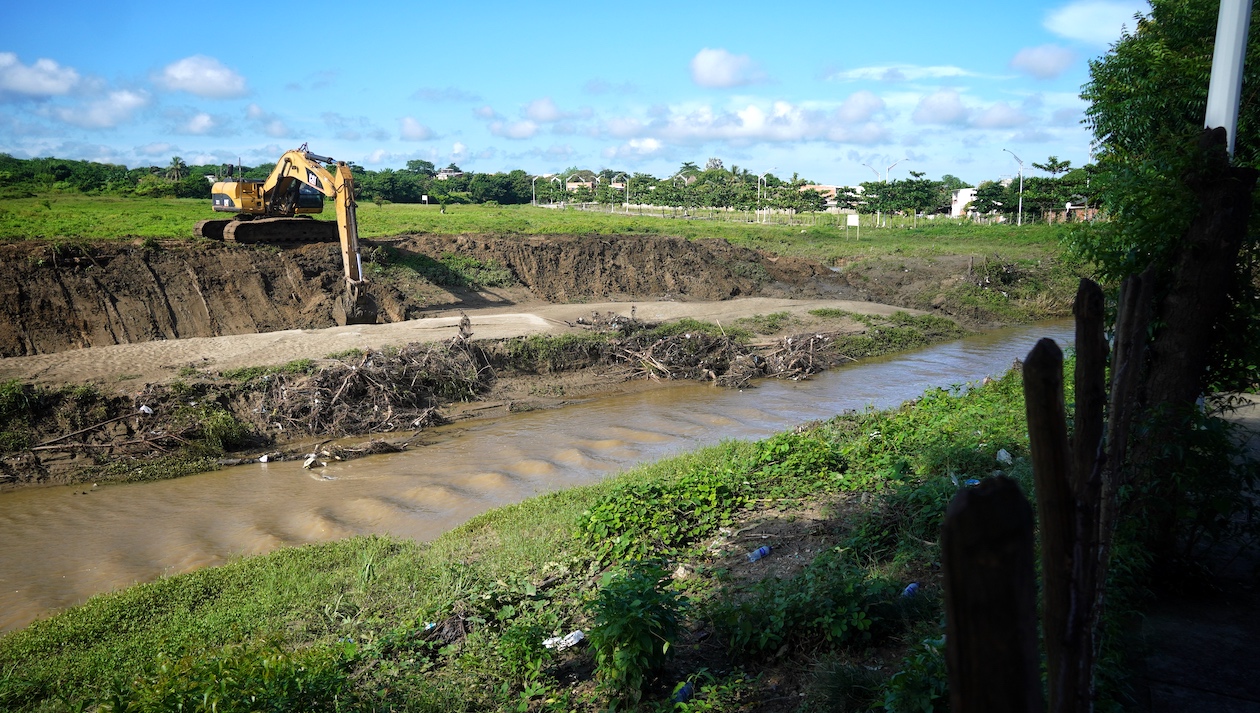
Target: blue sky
[[817, 89]]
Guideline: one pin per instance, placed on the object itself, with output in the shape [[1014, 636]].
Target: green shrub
[[636, 622], [921, 685], [831, 601], [244, 678]]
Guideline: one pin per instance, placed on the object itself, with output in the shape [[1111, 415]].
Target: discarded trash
[[911, 590], [758, 553], [971, 482], [684, 693], [264, 458], [313, 462], [560, 643], [1004, 457], [429, 625], [146, 410]]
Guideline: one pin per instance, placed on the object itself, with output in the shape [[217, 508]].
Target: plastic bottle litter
[[912, 589], [684, 693], [759, 553], [146, 410], [312, 462], [429, 626], [971, 482], [560, 643], [1004, 457]]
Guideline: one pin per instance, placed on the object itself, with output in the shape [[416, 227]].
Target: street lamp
[[614, 180], [533, 187], [1020, 220], [557, 179], [760, 181]]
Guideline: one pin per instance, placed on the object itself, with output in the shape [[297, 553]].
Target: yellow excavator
[[277, 210]]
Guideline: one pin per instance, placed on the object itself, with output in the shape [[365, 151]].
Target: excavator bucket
[[356, 306]]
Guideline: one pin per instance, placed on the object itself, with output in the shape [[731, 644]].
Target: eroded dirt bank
[[57, 297]]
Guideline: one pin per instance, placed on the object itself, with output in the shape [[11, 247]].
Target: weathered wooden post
[[990, 601]]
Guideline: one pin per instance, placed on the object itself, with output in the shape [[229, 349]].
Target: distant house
[[958, 204], [574, 184], [447, 173]]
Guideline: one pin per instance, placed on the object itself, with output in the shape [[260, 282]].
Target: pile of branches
[[722, 360], [384, 390]]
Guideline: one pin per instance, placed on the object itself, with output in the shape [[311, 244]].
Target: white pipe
[[1225, 88]]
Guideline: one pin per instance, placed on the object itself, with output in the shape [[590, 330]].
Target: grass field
[[78, 217]]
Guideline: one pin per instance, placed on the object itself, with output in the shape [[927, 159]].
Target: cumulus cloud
[[412, 130], [42, 79], [486, 112], [458, 150], [268, 123], [514, 129], [1044, 62], [859, 107], [203, 76], [900, 73], [943, 107], [447, 94], [635, 149], [1000, 116], [109, 111], [717, 68], [1096, 22], [201, 123], [543, 110]]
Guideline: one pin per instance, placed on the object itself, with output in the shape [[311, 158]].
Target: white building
[[958, 206]]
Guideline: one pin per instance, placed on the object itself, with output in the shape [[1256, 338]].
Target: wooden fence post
[[990, 601], [1056, 511]]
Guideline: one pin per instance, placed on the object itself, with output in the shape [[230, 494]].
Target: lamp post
[[1020, 220], [1225, 84], [614, 180], [761, 180], [533, 188], [675, 180], [557, 179]]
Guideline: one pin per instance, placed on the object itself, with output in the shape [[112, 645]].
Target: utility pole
[[1225, 86], [1020, 221]]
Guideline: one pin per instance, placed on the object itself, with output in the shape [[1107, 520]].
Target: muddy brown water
[[61, 546]]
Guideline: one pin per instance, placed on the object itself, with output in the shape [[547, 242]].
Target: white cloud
[[942, 107], [486, 112], [44, 78], [719, 69], [202, 123], [157, 148], [270, 124], [203, 76], [1044, 62], [859, 107], [109, 111], [623, 127], [413, 130], [514, 129], [543, 110], [1096, 22], [635, 149], [1000, 116], [900, 73], [458, 150]]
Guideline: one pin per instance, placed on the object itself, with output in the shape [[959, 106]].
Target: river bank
[[517, 574]]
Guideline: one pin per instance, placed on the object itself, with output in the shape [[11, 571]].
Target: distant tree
[[424, 168], [713, 164], [177, 169], [953, 183], [1053, 166]]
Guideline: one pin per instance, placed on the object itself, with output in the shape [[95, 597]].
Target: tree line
[[712, 187]]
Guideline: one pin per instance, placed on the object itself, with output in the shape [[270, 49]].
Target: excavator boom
[[278, 204]]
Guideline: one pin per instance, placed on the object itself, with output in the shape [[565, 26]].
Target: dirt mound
[[564, 268], [57, 297]]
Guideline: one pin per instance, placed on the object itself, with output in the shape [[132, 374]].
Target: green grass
[[360, 605], [70, 216]]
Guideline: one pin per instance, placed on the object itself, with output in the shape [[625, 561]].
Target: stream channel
[[61, 546]]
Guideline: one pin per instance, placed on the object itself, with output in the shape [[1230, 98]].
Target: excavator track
[[212, 229], [281, 230]]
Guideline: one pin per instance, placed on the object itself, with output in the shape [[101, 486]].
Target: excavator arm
[[281, 189]]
